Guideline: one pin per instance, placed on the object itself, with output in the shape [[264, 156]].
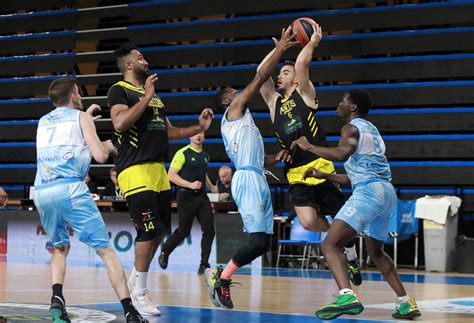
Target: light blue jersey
[[368, 162], [62, 152], [61, 197], [244, 146], [243, 142], [373, 197]]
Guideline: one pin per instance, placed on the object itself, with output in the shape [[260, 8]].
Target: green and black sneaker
[[407, 310], [58, 310], [353, 270], [344, 304]]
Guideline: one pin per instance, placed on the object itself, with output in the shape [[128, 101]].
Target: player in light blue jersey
[[367, 211], [244, 146], [65, 141]]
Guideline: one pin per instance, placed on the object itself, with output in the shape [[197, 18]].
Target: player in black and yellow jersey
[[188, 170], [142, 132], [292, 111]]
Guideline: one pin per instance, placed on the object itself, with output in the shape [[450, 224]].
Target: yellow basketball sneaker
[[407, 310]]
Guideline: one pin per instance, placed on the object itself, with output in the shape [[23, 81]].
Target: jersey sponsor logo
[[293, 125], [51, 179], [148, 215], [42, 159]]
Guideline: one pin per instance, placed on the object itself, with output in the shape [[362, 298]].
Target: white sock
[[403, 299], [141, 280], [131, 279], [351, 253], [346, 291]]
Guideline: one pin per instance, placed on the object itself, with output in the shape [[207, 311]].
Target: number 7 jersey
[[368, 162]]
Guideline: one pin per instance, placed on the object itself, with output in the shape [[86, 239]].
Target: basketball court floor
[[266, 295]]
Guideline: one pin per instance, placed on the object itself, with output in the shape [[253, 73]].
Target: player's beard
[[141, 75]]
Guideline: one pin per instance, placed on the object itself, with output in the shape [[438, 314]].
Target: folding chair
[[403, 225], [299, 236]]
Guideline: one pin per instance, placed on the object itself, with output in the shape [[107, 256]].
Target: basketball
[[303, 29]]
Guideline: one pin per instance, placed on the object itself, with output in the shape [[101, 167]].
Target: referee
[[188, 171]]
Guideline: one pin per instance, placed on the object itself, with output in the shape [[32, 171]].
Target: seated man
[[224, 184], [112, 188]]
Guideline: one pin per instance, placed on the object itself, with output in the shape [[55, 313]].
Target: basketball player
[[244, 146], [292, 109], [368, 210], [142, 133], [66, 139]]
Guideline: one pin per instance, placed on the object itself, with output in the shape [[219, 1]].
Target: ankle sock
[[403, 299], [345, 291]]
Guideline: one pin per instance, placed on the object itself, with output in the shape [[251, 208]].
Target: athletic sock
[[140, 280], [345, 291], [127, 305], [403, 299], [58, 291], [229, 270], [351, 253]]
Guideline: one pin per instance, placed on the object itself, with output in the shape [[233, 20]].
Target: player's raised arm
[[302, 64], [237, 107]]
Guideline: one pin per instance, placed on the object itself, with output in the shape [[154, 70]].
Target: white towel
[[437, 208]]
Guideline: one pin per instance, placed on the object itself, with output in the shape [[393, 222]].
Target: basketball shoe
[[406, 310], [353, 270], [144, 303], [218, 289], [344, 304], [58, 310], [134, 317]]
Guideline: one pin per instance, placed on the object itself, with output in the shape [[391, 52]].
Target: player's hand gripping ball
[[303, 29]]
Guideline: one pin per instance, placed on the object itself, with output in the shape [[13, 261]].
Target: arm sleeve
[[178, 160], [116, 95]]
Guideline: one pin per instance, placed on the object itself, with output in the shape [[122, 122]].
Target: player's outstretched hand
[[150, 85], [205, 118], [317, 35], [286, 41], [283, 156], [302, 143], [94, 108], [313, 172]]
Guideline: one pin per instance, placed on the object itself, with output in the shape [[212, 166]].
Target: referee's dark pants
[[193, 204]]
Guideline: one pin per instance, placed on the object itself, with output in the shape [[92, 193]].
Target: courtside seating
[[300, 237]]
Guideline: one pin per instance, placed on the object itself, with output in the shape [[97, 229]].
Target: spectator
[[3, 197], [112, 188], [90, 184], [224, 184]]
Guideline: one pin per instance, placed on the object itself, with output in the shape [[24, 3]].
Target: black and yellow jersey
[[293, 119], [191, 164], [146, 141]]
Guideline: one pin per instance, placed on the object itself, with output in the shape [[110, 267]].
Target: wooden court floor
[[267, 295]]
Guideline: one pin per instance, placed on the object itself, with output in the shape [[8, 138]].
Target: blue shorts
[[71, 204], [252, 195], [369, 208]]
